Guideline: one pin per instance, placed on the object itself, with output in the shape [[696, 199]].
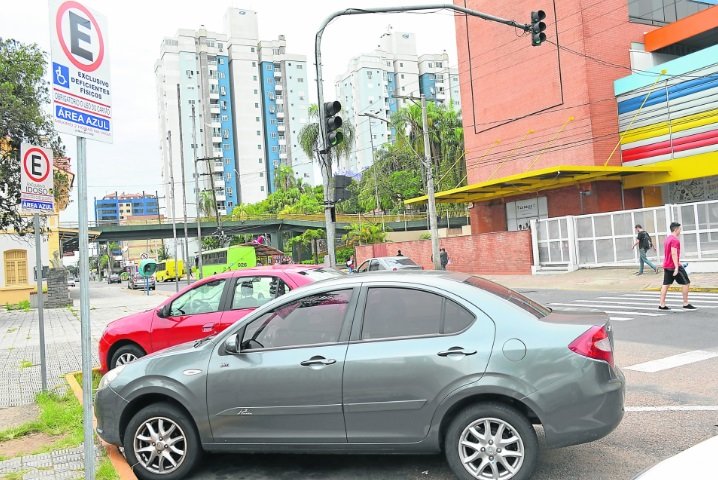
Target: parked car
[[138, 281], [695, 462], [114, 278], [411, 362], [70, 281], [392, 264], [206, 307]]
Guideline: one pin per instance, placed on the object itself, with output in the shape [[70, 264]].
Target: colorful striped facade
[[671, 110]]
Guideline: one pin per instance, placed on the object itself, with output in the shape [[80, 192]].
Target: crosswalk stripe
[[602, 308], [652, 303], [607, 304], [673, 361], [678, 294], [620, 319], [668, 298]]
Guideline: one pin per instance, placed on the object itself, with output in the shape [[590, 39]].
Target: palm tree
[[284, 178], [364, 234], [309, 140], [206, 206]]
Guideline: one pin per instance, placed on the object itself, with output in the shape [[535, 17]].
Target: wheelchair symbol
[[60, 73]]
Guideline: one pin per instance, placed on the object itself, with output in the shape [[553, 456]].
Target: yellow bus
[[169, 269]]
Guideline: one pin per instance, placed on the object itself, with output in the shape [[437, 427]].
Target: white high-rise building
[[217, 103], [374, 84]]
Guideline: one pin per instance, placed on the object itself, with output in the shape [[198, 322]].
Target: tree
[[364, 233], [207, 207], [23, 95], [307, 238], [163, 253], [284, 178]]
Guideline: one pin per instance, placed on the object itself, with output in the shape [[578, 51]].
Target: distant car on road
[[70, 281], [411, 362], [391, 264], [696, 462], [138, 281], [206, 307], [114, 278]]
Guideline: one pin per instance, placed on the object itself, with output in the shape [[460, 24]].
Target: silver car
[[391, 264], [378, 363]]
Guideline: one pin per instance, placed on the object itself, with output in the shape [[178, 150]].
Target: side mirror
[[163, 311], [231, 345]]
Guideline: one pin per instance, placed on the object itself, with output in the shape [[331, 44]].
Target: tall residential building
[[374, 83], [217, 103]]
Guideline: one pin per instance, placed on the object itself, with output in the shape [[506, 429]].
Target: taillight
[[594, 343], [394, 269]]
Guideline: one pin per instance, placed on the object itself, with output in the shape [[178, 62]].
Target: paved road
[[648, 433]]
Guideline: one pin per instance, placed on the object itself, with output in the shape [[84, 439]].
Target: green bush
[[425, 236], [124, 276], [343, 254], [23, 305]]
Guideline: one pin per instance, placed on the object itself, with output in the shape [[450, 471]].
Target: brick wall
[[486, 253]]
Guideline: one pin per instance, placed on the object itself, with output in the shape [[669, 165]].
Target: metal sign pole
[[85, 327], [173, 213], [40, 299]]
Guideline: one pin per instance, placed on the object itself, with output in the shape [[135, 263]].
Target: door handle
[[456, 351], [208, 327], [315, 361]]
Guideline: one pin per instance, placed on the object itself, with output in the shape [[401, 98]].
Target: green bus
[[237, 257]]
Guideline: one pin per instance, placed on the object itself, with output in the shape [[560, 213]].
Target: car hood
[[131, 319], [696, 462]]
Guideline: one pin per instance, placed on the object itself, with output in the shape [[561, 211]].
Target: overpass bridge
[[272, 224]]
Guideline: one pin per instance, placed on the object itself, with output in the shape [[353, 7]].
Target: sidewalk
[[19, 342], [603, 279]]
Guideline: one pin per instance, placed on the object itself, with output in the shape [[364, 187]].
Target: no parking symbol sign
[[36, 180], [81, 88]]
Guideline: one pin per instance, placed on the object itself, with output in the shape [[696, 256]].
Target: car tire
[[468, 429], [181, 431], [126, 354]]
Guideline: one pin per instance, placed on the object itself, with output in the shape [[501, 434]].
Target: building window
[[369, 74], [229, 190], [260, 160], [254, 64], [271, 95], [273, 134], [226, 161], [225, 118], [438, 64], [402, 75], [261, 174], [300, 80], [259, 147], [256, 105], [431, 65], [275, 148], [225, 146], [221, 75], [255, 91], [228, 176], [300, 66], [258, 132], [252, 49], [222, 91], [270, 66], [273, 121], [261, 188], [401, 64], [254, 77]]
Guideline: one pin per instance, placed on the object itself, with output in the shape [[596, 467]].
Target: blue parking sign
[[60, 75]]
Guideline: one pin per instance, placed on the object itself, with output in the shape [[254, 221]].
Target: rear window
[[400, 261], [321, 274], [534, 308]]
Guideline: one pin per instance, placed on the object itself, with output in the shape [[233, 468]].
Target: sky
[[136, 28]]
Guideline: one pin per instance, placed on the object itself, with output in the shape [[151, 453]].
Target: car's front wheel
[[126, 354], [161, 443], [491, 441]]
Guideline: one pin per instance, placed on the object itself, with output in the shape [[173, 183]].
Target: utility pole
[[324, 155], [214, 193], [187, 262], [172, 208], [196, 193], [373, 159], [430, 188]]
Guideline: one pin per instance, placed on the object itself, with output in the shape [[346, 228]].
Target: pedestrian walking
[[350, 264], [443, 258], [672, 268], [644, 243], [399, 254]]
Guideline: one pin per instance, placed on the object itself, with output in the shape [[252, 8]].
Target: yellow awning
[[536, 181]]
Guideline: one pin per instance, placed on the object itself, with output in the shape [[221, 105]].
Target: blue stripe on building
[[674, 91], [271, 130], [226, 116]]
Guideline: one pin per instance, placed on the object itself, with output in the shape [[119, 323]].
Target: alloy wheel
[[126, 358], [490, 448], [160, 445]]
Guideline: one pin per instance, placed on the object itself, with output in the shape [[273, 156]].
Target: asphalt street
[[670, 360]]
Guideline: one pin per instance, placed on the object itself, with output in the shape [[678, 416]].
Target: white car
[[696, 462], [70, 281]]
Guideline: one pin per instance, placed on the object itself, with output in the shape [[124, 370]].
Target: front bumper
[[108, 411]]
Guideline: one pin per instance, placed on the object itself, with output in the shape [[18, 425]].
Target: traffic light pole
[[430, 188], [324, 155]]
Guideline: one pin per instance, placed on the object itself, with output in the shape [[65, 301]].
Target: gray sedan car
[[378, 363], [391, 264]]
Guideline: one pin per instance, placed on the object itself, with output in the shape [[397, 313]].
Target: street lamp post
[[371, 139]]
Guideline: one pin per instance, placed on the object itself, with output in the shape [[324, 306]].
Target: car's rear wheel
[[161, 443], [126, 354], [491, 441]]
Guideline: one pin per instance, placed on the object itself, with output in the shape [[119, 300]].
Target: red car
[[204, 308]]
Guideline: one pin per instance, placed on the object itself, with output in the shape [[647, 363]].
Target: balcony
[[217, 139], [277, 73], [214, 96], [283, 155], [213, 81], [280, 100], [218, 167], [280, 113], [278, 87], [281, 127], [282, 141], [214, 109]]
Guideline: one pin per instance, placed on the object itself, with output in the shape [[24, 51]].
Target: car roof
[[288, 268], [394, 257]]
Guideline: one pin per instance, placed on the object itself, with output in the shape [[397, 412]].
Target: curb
[[678, 289], [113, 453]]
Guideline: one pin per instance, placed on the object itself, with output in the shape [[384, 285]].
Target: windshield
[[321, 274], [401, 261], [534, 308]]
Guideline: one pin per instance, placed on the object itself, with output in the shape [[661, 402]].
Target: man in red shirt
[[672, 268]]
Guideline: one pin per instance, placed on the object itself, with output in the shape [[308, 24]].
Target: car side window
[[403, 312], [363, 267], [312, 320], [253, 292], [202, 299], [375, 266]]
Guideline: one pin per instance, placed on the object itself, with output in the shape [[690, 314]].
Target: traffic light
[[537, 28], [333, 123], [341, 183]]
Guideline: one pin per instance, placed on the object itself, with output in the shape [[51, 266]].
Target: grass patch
[[15, 475], [96, 377], [24, 306], [60, 415], [26, 364], [12, 330], [105, 470]]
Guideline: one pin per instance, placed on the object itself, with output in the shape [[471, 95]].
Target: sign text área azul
[[81, 87], [36, 180]]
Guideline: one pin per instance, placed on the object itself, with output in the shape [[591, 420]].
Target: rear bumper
[[586, 411]]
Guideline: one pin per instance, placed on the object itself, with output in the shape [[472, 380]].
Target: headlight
[[110, 376]]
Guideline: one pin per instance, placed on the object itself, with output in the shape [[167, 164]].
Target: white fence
[[605, 239]]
